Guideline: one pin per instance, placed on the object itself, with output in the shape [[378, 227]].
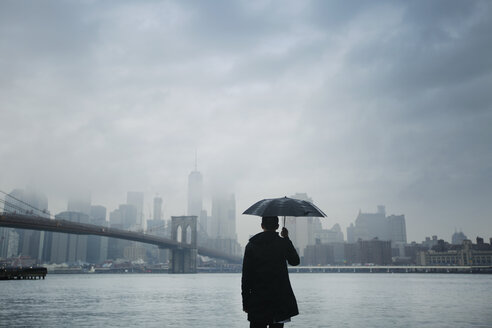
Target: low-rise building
[[375, 251], [468, 254], [362, 252], [318, 254]]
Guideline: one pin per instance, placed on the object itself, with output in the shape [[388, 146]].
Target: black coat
[[266, 291]]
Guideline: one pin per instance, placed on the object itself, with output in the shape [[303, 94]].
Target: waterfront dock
[[23, 273], [391, 269]]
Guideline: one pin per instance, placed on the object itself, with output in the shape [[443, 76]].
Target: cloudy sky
[[357, 104]]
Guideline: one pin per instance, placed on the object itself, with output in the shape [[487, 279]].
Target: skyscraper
[[68, 247], [195, 200], [223, 216], [124, 217], [157, 214], [458, 238], [15, 242], [222, 224], [195, 193], [97, 247], [136, 199], [372, 225], [397, 228], [377, 225], [302, 229], [81, 202]]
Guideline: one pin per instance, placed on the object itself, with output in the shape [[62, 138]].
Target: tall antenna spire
[[196, 160]]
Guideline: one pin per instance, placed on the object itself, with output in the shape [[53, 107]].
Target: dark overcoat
[[266, 290]]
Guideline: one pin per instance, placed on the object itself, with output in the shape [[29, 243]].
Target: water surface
[[213, 300]]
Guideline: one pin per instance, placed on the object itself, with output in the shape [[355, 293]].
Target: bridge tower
[[183, 229]]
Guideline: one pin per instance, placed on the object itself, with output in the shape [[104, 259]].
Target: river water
[[213, 300]]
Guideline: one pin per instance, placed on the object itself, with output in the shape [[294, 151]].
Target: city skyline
[[357, 105], [376, 238], [325, 223]]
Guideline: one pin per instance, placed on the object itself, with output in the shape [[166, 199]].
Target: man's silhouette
[[267, 295]]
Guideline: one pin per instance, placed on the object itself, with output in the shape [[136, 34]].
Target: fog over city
[[357, 104]]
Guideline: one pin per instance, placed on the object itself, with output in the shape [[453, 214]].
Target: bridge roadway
[[38, 223]]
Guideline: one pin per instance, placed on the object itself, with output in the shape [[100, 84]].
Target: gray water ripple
[[213, 300]]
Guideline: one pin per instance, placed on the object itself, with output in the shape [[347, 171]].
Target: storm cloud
[[356, 104]]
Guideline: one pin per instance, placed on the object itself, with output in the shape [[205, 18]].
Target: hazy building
[[195, 193], [47, 245], [318, 254], [223, 217], [69, 247], [136, 199], [302, 229], [59, 247], [324, 254], [333, 235], [412, 251], [13, 243], [24, 242], [135, 252], [397, 228], [374, 252], [157, 213], [203, 226], [429, 243], [158, 228], [351, 253], [15, 203], [226, 245], [351, 233], [458, 238], [195, 202], [377, 225], [221, 225], [4, 241], [397, 234], [30, 243], [372, 225], [80, 203], [97, 246], [9, 243], [98, 215], [124, 217]]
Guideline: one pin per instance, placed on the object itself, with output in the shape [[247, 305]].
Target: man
[[267, 295]]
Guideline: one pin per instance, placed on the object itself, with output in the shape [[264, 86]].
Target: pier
[[391, 269], [23, 273]]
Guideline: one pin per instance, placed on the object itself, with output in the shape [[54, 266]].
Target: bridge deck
[[44, 224]]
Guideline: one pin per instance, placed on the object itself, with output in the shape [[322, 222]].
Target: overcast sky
[[357, 104]]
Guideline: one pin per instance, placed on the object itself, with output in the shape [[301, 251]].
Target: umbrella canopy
[[284, 207]]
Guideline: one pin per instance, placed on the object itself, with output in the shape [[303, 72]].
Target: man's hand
[[284, 233]]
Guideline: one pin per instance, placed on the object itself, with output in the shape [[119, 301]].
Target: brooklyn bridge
[[183, 249]]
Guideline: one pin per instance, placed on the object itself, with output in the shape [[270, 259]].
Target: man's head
[[269, 223]]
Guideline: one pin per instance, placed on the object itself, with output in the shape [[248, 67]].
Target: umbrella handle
[[284, 221]]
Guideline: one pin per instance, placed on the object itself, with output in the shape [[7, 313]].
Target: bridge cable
[[14, 207], [45, 211]]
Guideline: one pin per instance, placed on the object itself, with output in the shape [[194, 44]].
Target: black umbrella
[[284, 207]]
